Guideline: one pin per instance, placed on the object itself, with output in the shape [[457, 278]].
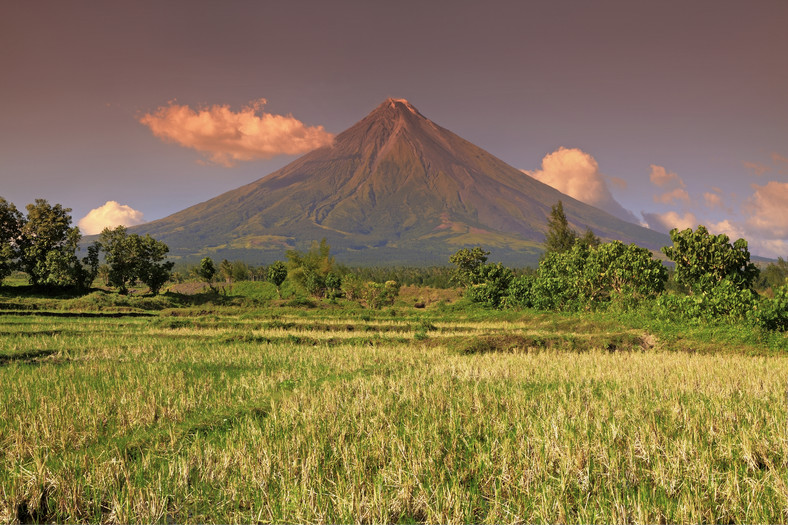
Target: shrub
[[772, 313]]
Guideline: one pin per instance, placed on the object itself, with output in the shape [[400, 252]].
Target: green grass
[[220, 412]]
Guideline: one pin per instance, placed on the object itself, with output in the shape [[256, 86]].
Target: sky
[[669, 113]]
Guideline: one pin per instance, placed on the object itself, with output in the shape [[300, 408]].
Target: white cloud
[[109, 215], [576, 173], [226, 136]]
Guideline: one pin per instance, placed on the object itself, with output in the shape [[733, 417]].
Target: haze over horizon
[[670, 114]]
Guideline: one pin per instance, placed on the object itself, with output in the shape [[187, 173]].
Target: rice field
[[334, 415]]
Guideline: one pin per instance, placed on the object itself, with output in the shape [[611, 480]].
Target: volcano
[[395, 188]]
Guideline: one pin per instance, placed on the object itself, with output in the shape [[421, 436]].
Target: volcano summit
[[395, 188]]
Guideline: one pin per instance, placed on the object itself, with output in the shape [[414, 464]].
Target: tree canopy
[[132, 257]]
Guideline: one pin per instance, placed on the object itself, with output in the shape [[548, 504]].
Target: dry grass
[[293, 418]]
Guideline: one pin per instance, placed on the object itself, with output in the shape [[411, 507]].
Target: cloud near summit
[[227, 137], [576, 173], [109, 215]]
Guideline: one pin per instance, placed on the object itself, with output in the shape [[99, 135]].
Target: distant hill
[[395, 188]]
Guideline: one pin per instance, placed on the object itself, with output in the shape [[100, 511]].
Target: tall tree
[[226, 269], [277, 273], [48, 245], [559, 237], [152, 269], [10, 229], [132, 257], [206, 271]]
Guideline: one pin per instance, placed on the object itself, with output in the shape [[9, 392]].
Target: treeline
[[44, 245], [714, 279]]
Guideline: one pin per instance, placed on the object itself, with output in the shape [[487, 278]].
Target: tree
[[226, 270], [704, 261], [774, 275], [333, 284], [616, 269], [484, 283], [151, 267], [587, 277], [206, 271], [559, 237], [377, 295], [277, 273], [492, 285], [240, 271], [121, 253], [10, 230], [589, 240], [309, 269], [469, 263], [132, 257], [47, 247]]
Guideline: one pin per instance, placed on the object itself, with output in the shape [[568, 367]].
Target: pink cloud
[[664, 222], [779, 159], [227, 137], [756, 168], [661, 177], [768, 210], [109, 215], [679, 194], [713, 200], [731, 229], [576, 173]]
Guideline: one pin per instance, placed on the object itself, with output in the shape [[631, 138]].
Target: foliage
[[433, 276], [309, 269], [333, 285], [485, 283], [774, 275], [132, 257], [377, 295], [47, 246], [352, 287], [615, 269], [490, 284], [468, 263], [240, 271], [11, 221], [518, 295], [589, 239], [277, 273], [560, 279], [704, 260], [587, 277], [559, 237], [206, 271], [772, 312], [226, 270]]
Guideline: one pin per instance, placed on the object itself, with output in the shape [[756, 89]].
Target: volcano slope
[[395, 188]]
